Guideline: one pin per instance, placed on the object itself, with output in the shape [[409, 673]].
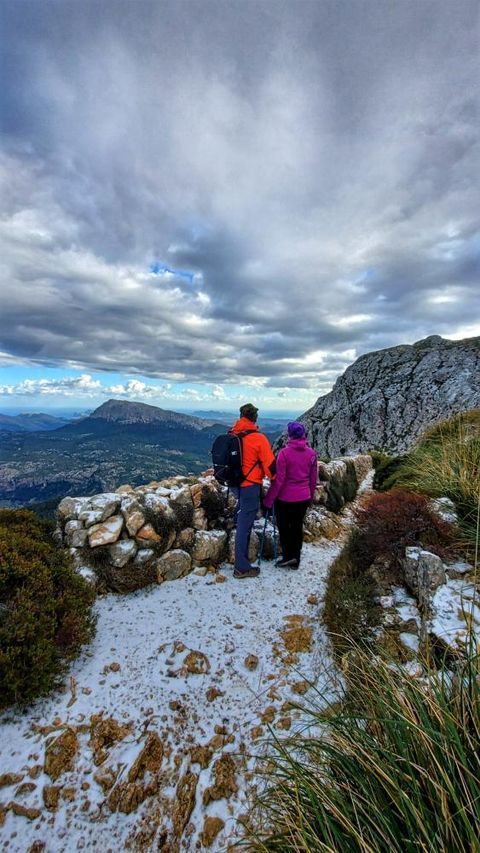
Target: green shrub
[[395, 768], [387, 469], [45, 608]]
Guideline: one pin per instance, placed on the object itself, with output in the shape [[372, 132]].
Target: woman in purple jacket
[[292, 491]]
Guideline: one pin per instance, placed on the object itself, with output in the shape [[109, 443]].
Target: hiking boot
[[248, 573], [287, 564]]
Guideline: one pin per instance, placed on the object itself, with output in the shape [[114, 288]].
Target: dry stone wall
[[130, 538]]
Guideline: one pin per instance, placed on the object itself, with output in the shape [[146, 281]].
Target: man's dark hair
[[248, 410]]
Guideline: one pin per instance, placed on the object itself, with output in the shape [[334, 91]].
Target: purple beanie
[[296, 430]]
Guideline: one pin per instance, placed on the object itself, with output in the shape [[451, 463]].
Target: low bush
[[387, 470], [394, 768], [389, 522], [45, 608], [386, 523]]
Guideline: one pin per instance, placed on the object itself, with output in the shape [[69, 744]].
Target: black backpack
[[227, 458]]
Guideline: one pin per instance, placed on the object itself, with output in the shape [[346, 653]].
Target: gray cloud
[[314, 165]]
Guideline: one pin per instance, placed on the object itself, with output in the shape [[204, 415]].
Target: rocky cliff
[[386, 399]]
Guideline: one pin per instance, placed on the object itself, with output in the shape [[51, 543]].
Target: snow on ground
[[149, 634]]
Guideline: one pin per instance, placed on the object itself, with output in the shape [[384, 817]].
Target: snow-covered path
[[136, 671]]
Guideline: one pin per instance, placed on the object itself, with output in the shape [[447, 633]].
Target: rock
[[445, 509], [24, 811], [148, 533], [51, 797], [284, 723], [387, 399], [106, 778], [125, 797], [122, 552], [213, 693], [10, 779], [60, 754], [174, 564], [104, 733], [132, 512], [458, 569], [75, 534], [410, 641], [106, 533], [149, 758], [211, 827], [209, 546], [300, 687], [195, 663], [69, 508], [312, 598], [201, 571], [320, 523], [253, 547], [225, 784], [124, 490], [268, 715], [106, 503], [200, 519], [185, 540], [201, 755], [89, 516], [25, 788], [251, 662], [184, 802], [424, 572], [256, 732], [144, 556]]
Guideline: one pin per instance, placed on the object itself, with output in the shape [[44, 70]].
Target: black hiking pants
[[290, 515]]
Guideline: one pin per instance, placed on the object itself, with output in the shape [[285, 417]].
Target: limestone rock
[[253, 547], [144, 556], [209, 546], [251, 662], [174, 564], [386, 399], [424, 572], [133, 515], [225, 783], [75, 534], [23, 811], [127, 796], [211, 827], [195, 663], [200, 519], [149, 758], [184, 802], [103, 734], [51, 797], [60, 754], [69, 508], [148, 533], [106, 503], [185, 540], [106, 533], [10, 779], [122, 552]]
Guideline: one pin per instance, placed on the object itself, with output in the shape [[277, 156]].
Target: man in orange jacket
[[258, 462]]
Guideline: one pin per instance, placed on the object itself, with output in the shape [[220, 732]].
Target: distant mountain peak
[[131, 412]]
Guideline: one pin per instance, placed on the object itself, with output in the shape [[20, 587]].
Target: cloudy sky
[[206, 201]]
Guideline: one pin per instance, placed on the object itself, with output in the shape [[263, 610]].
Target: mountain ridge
[[387, 398]]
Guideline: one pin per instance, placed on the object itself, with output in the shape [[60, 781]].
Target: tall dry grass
[[397, 768]]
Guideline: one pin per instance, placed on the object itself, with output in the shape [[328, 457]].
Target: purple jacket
[[297, 473]]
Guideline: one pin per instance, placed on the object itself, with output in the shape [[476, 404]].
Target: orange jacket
[[256, 448]]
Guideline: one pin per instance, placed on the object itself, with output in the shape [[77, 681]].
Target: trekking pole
[[262, 540], [274, 535]]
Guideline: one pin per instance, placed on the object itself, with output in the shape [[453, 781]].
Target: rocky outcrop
[[386, 399], [128, 539]]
